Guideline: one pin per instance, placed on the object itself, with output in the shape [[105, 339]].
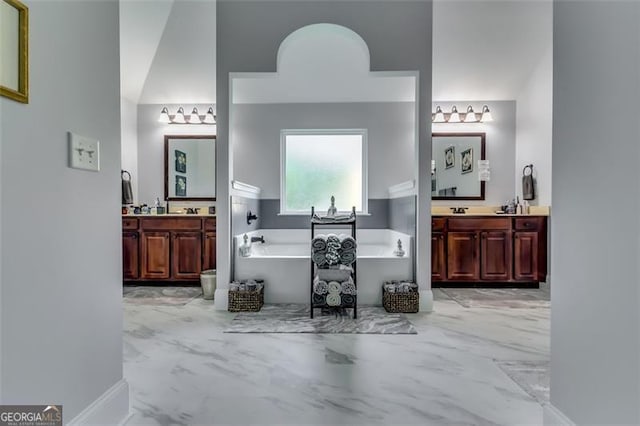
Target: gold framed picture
[[14, 50]]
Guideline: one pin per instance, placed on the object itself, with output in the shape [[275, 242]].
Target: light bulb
[[439, 116], [471, 116], [455, 117], [179, 117], [486, 115], [164, 116], [194, 118]]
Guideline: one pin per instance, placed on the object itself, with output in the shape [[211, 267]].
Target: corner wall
[[61, 312], [595, 301]]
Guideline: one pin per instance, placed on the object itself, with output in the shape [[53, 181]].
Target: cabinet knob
[[134, 236], [442, 237], [517, 236]]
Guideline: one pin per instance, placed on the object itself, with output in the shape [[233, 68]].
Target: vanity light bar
[[467, 117], [193, 118]]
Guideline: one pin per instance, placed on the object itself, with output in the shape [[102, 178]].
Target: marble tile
[[532, 376], [499, 297], [160, 295], [183, 369], [293, 318]]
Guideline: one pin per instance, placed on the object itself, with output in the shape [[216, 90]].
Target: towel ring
[[524, 171], [122, 172]]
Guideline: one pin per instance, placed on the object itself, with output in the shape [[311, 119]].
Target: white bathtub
[[283, 262]]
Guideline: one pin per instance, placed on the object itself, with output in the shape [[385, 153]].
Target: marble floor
[[461, 368]]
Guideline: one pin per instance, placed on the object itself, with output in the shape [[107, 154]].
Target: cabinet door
[[187, 255], [463, 263], [495, 255], [438, 257], [209, 250], [130, 256], [155, 255], [525, 266]]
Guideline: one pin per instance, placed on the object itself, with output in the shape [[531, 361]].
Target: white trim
[[426, 300], [365, 172], [552, 416], [111, 408], [245, 190], [403, 189], [221, 298]]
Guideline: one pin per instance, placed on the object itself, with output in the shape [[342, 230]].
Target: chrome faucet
[[258, 239]]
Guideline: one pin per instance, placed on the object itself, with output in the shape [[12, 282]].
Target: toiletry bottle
[[518, 206]]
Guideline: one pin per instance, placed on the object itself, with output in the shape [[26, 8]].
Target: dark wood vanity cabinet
[[167, 248], [130, 254], [477, 249]]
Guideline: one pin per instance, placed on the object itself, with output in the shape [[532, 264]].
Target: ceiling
[[167, 51], [482, 50], [487, 49]]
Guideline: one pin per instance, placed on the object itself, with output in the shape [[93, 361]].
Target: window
[[316, 164]]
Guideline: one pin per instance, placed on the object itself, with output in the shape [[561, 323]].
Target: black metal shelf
[[349, 220]]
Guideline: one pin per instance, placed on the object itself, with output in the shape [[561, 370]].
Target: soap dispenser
[[245, 248]]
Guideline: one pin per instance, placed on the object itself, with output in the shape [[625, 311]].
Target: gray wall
[[391, 139], [151, 134], [500, 148], [378, 217], [129, 134], [61, 276], [248, 37], [534, 128], [595, 354]]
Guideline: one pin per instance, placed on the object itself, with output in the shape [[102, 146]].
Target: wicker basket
[[407, 303], [246, 300]]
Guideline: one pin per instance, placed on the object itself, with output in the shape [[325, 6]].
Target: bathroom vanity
[[167, 247], [488, 249]]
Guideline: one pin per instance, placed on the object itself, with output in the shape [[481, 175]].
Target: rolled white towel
[[334, 287], [334, 299]]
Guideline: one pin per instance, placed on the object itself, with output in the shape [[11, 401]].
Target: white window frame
[[283, 155]]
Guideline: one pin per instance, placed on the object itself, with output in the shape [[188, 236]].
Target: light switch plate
[[84, 153]]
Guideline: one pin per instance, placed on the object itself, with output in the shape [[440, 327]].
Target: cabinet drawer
[[129, 223], [528, 223], [437, 223], [479, 224], [210, 224], [171, 224]]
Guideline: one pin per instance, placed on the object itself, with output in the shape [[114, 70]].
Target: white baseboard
[[111, 408], [554, 417], [221, 299], [426, 300]]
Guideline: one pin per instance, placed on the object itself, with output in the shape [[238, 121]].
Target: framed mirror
[[454, 166], [190, 167], [14, 50]]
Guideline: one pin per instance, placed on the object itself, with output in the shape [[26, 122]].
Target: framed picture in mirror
[[181, 161], [449, 157], [181, 186], [467, 161]]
